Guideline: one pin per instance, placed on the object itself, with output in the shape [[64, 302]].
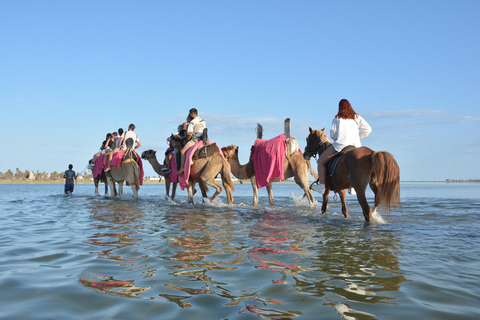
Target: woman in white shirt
[[344, 132]]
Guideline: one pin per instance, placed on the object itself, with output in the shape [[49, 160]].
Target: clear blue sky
[[71, 71]]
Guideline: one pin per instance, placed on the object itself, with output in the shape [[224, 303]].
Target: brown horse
[[359, 168]]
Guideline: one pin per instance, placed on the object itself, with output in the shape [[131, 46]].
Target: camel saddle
[[205, 151]]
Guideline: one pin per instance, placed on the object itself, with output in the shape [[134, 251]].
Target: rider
[[125, 136], [344, 132], [194, 134]]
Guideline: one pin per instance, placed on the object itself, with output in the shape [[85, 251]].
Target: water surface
[[91, 257]]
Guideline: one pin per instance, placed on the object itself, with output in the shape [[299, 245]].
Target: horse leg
[[343, 199], [363, 203], [374, 188], [325, 200], [106, 187], [253, 181]]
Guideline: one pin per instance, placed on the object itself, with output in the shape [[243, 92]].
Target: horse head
[[317, 141]]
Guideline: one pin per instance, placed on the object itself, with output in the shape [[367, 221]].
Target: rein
[[321, 145]]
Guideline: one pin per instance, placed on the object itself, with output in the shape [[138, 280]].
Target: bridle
[[228, 156], [318, 149]]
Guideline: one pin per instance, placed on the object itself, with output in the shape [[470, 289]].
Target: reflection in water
[[119, 224], [257, 262], [111, 286]]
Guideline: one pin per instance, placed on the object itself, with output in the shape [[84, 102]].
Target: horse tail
[[386, 176]]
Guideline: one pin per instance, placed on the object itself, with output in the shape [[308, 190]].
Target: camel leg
[[325, 200], [302, 182], [106, 187], [229, 193], [343, 199], [253, 181], [111, 182], [270, 194], [174, 189], [96, 181], [363, 203], [190, 188], [167, 186], [120, 189], [135, 191], [218, 188]]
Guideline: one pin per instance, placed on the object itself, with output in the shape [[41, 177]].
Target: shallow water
[[91, 257]]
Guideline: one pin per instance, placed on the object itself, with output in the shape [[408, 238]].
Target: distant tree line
[[462, 180], [37, 176]]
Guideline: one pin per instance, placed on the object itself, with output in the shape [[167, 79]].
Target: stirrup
[[318, 187]]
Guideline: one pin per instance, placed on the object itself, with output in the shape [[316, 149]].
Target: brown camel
[[128, 171], [204, 171], [150, 155], [359, 168], [297, 167]]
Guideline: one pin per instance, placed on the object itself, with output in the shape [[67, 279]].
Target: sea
[[86, 256]]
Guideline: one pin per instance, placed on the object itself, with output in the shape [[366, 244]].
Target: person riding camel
[[194, 134], [125, 136]]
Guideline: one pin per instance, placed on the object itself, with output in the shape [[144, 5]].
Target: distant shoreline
[[162, 182]]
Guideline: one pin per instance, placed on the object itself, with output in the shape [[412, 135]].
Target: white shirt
[[196, 127], [126, 135], [344, 132]]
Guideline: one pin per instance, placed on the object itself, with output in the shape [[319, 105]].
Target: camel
[[296, 167], [99, 178], [129, 171], [150, 155], [204, 171]]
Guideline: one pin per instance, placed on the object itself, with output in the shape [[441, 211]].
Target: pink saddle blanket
[[172, 176], [116, 161], [267, 158], [183, 179]]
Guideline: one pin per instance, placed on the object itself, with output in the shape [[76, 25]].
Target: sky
[[72, 71]]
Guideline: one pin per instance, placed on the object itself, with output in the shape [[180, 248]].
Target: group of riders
[[190, 132], [344, 131]]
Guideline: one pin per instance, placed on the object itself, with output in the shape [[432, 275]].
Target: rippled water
[[90, 257]]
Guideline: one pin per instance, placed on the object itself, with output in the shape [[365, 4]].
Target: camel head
[[175, 140], [315, 140], [230, 152], [149, 154]]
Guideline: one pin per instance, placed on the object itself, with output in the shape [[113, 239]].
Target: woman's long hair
[[345, 110]]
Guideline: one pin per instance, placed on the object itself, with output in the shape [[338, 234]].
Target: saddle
[[205, 151], [332, 164], [130, 152]]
